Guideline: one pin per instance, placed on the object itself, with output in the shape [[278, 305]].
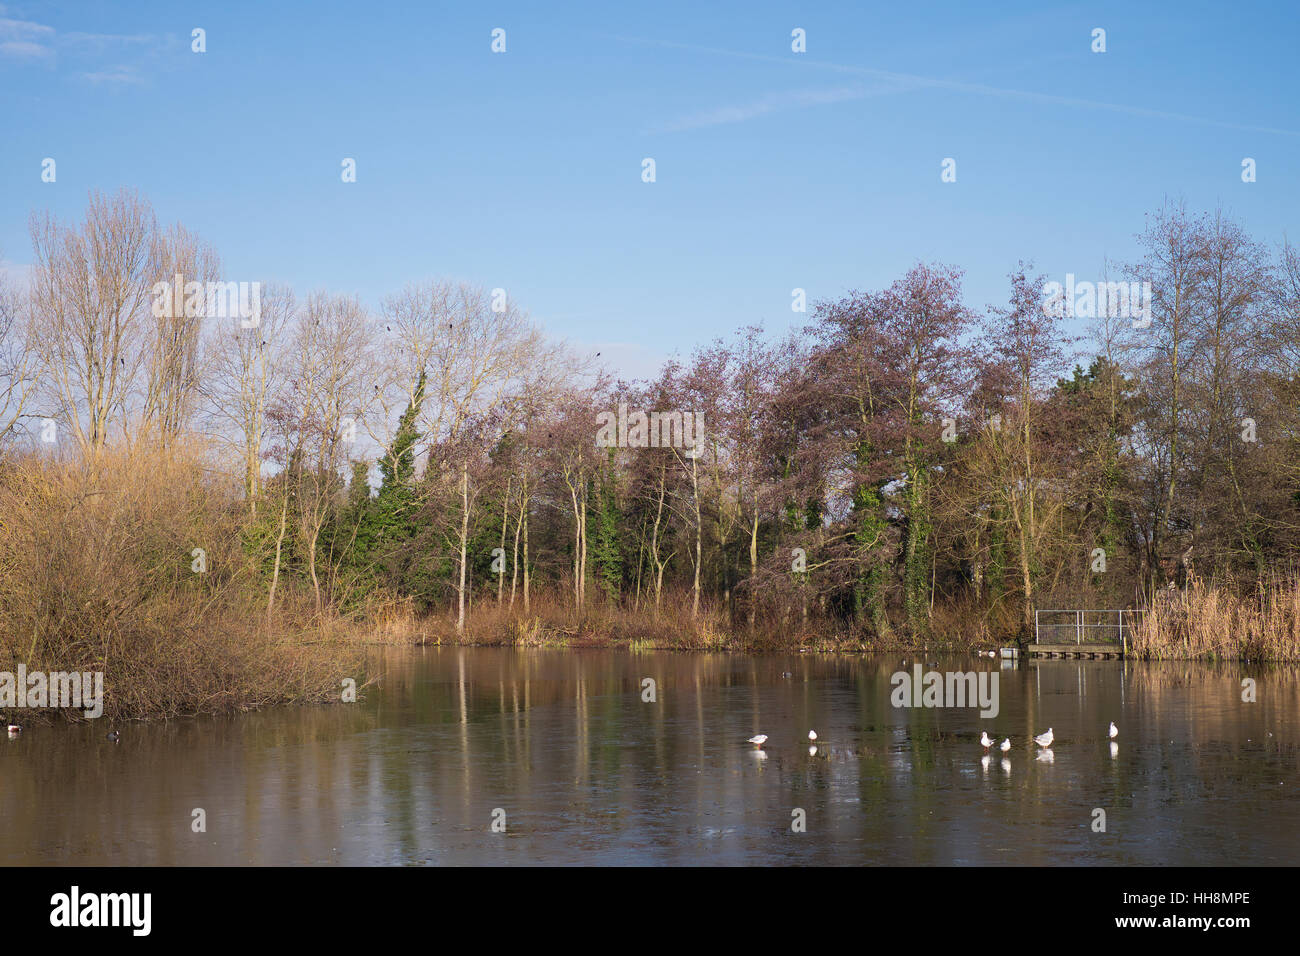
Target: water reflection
[[585, 771]]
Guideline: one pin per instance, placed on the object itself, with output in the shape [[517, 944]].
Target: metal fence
[[1086, 626]]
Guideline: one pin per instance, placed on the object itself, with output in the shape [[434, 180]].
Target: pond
[[525, 756]]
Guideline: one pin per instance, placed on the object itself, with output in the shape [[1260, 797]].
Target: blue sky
[[774, 170]]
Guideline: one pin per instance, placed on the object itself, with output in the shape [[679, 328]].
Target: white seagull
[[1045, 740], [1114, 731], [812, 735], [984, 740], [1005, 745], [14, 730], [758, 740]]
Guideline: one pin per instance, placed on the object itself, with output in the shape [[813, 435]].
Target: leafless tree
[[91, 303], [18, 359], [331, 388], [246, 370]]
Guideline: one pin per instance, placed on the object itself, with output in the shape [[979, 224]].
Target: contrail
[[911, 81]]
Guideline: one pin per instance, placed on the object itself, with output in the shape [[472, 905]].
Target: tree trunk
[[464, 547], [505, 517], [275, 574]]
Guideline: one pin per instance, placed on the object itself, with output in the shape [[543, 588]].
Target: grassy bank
[[1202, 623], [553, 622]]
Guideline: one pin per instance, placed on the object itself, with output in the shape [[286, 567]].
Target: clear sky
[[774, 169]]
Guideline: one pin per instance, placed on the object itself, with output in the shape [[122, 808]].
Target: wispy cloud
[[28, 40], [908, 82], [24, 39], [774, 103], [118, 75], [24, 29], [108, 41], [24, 49]]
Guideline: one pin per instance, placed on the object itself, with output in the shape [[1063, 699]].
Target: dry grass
[[96, 574], [552, 621], [1218, 623]]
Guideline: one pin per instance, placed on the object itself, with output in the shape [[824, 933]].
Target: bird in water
[[984, 740], [758, 740], [1005, 745], [1114, 731], [812, 735], [1045, 740], [113, 735], [14, 730]]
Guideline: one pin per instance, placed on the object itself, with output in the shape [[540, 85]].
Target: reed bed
[[1216, 622]]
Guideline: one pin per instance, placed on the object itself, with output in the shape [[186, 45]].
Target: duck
[[113, 735], [1045, 740]]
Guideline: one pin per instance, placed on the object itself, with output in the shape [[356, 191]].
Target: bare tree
[[18, 359], [246, 370], [91, 300], [331, 388], [182, 265]]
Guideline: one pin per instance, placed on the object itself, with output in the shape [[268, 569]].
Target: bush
[[99, 572]]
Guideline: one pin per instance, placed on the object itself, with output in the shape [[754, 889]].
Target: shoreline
[[367, 677]]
